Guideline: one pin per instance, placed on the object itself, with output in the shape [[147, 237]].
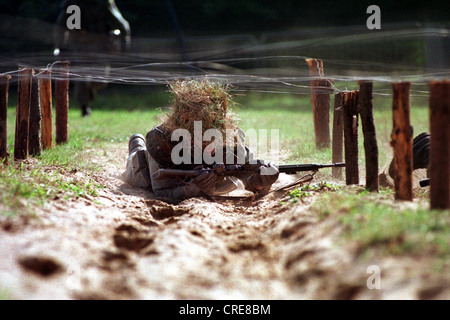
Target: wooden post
[[4, 87], [62, 101], [402, 141], [440, 144], [22, 114], [34, 145], [320, 100], [369, 132], [338, 135], [350, 106], [45, 98]]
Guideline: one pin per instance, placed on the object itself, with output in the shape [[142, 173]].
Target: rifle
[[424, 183], [294, 168], [241, 170]]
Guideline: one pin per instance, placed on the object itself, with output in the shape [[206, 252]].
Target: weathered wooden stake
[[62, 101], [22, 114], [350, 107], [45, 98], [320, 100], [4, 87], [369, 132], [34, 145], [402, 141], [440, 144], [338, 135]]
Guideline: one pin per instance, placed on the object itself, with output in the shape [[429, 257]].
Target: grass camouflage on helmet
[[192, 101]]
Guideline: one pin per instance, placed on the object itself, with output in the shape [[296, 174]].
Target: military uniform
[[147, 157], [421, 154]]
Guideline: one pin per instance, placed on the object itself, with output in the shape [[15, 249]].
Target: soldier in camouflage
[[205, 104], [148, 155]]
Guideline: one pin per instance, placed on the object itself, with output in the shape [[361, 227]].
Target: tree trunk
[[320, 100], [402, 141], [62, 102], [4, 87], [45, 86], [34, 145], [23, 114], [440, 144], [350, 103], [338, 135], [370, 137]]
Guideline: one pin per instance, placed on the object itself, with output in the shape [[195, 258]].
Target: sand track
[[126, 245]]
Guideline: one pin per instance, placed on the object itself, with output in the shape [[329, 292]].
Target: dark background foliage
[[151, 18]]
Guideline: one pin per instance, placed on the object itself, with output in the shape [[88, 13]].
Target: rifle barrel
[[294, 168], [424, 183]]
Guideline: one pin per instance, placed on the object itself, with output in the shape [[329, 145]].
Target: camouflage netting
[[200, 101]]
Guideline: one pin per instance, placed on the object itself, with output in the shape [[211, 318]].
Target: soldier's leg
[[84, 95], [137, 172], [421, 151]]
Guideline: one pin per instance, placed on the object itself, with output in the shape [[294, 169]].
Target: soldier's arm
[[170, 188], [260, 181]]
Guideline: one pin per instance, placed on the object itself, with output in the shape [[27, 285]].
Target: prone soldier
[[421, 154], [154, 152]]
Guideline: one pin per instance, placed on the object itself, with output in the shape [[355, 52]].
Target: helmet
[[159, 146]]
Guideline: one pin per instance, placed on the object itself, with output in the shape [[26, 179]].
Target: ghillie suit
[[201, 101], [194, 102]]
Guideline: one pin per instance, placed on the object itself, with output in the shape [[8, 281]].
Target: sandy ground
[[125, 245]]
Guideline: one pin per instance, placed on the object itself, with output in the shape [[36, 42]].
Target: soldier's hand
[[262, 181], [205, 182], [268, 175]]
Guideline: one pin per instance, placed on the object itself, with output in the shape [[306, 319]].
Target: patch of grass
[[309, 189], [24, 186], [4, 295], [374, 221], [130, 98]]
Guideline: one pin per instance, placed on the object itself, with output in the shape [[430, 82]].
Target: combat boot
[[136, 143], [85, 111], [139, 165]]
